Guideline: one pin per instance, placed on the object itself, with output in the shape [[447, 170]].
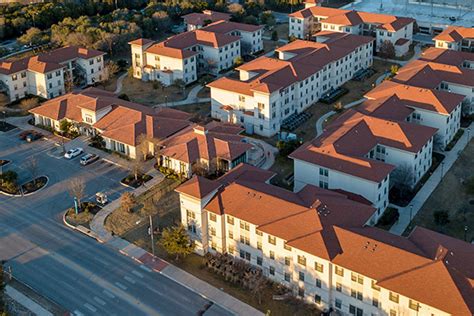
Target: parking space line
[[120, 285], [99, 300], [129, 279], [90, 307], [109, 294], [138, 274]]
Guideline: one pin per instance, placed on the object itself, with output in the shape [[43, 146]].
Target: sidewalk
[[159, 265], [26, 302], [420, 198]]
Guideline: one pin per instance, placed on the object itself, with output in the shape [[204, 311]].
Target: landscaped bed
[[3, 162], [34, 185], [136, 181], [84, 217], [5, 127]]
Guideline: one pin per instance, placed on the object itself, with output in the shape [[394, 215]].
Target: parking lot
[[98, 176]]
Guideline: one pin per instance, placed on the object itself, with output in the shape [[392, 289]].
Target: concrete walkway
[[26, 302], [408, 213], [119, 86], [192, 98], [268, 151]]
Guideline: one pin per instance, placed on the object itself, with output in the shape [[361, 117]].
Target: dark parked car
[[89, 158], [30, 135]]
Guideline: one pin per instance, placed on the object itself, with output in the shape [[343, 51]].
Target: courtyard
[[454, 195]]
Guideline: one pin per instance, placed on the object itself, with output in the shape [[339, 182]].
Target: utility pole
[[152, 238]]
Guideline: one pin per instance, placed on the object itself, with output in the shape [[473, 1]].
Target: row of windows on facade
[[357, 278]]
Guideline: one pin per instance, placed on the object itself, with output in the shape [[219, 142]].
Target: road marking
[[78, 313], [109, 294], [120, 285], [90, 307], [145, 268], [129, 279], [138, 274], [99, 300]]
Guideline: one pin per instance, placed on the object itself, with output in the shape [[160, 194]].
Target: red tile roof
[[428, 99], [47, 62], [275, 74], [206, 15], [446, 56], [427, 267], [455, 34], [429, 75], [216, 140], [225, 27], [141, 42], [335, 149], [124, 122], [352, 18]]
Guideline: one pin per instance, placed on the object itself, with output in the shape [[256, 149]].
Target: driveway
[[86, 277]]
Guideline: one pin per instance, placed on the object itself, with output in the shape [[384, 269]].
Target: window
[[287, 247], [338, 303], [230, 220], [231, 249], [357, 278], [23, 74], [231, 234], [272, 270], [301, 276], [272, 240], [339, 271], [244, 225], [318, 283], [212, 231], [375, 302], [414, 305], [49, 76], [302, 260], [356, 294], [287, 277], [259, 233], [338, 287], [241, 98], [259, 245], [317, 299], [287, 261], [393, 312], [272, 255], [394, 297], [301, 292], [212, 217], [318, 267], [58, 73], [355, 310], [91, 62], [259, 261], [245, 240], [375, 286], [324, 172]]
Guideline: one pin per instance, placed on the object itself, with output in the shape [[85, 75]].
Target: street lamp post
[[465, 232], [468, 134], [442, 170], [152, 238], [4, 118], [411, 212]]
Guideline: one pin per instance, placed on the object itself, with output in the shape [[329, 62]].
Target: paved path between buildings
[[268, 150], [192, 98], [26, 302], [180, 276], [408, 212], [119, 86], [323, 118]]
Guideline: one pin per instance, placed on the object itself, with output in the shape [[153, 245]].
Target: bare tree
[[136, 166], [144, 145], [199, 168], [127, 201], [76, 188], [386, 49], [402, 178]]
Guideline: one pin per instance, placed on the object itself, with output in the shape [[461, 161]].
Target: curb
[[81, 229], [44, 186]]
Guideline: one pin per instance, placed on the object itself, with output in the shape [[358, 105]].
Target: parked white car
[[71, 153]]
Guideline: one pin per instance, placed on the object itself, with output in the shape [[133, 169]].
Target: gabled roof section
[[446, 56], [442, 102], [455, 34], [206, 15], [198, 187]]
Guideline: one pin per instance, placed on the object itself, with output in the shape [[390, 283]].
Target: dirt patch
[[269, 45], [283, 167], [204, 93], [83, 218], [282, 30], [150, 93], [160, 201], [201, 111], [452, 196]]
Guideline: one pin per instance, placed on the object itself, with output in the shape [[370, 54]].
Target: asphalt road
[[84, 276]]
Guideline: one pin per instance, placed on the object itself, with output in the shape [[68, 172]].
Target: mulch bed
[[5, 127], [3, 162], [135, 183], [34, 185]]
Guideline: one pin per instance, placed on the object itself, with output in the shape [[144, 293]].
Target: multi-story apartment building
[[47, 74], [215, 147], [441, 69], [357, 153], [315, 243], [456, 38], [184, 56], [196, 20], [396, 30], [271, 89], [123, 125], [429, 107]]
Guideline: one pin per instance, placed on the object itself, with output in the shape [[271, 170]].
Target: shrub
[[275, 35], [389, 217], [286, 148], [441, 217], [123, 96], [338, 107]]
